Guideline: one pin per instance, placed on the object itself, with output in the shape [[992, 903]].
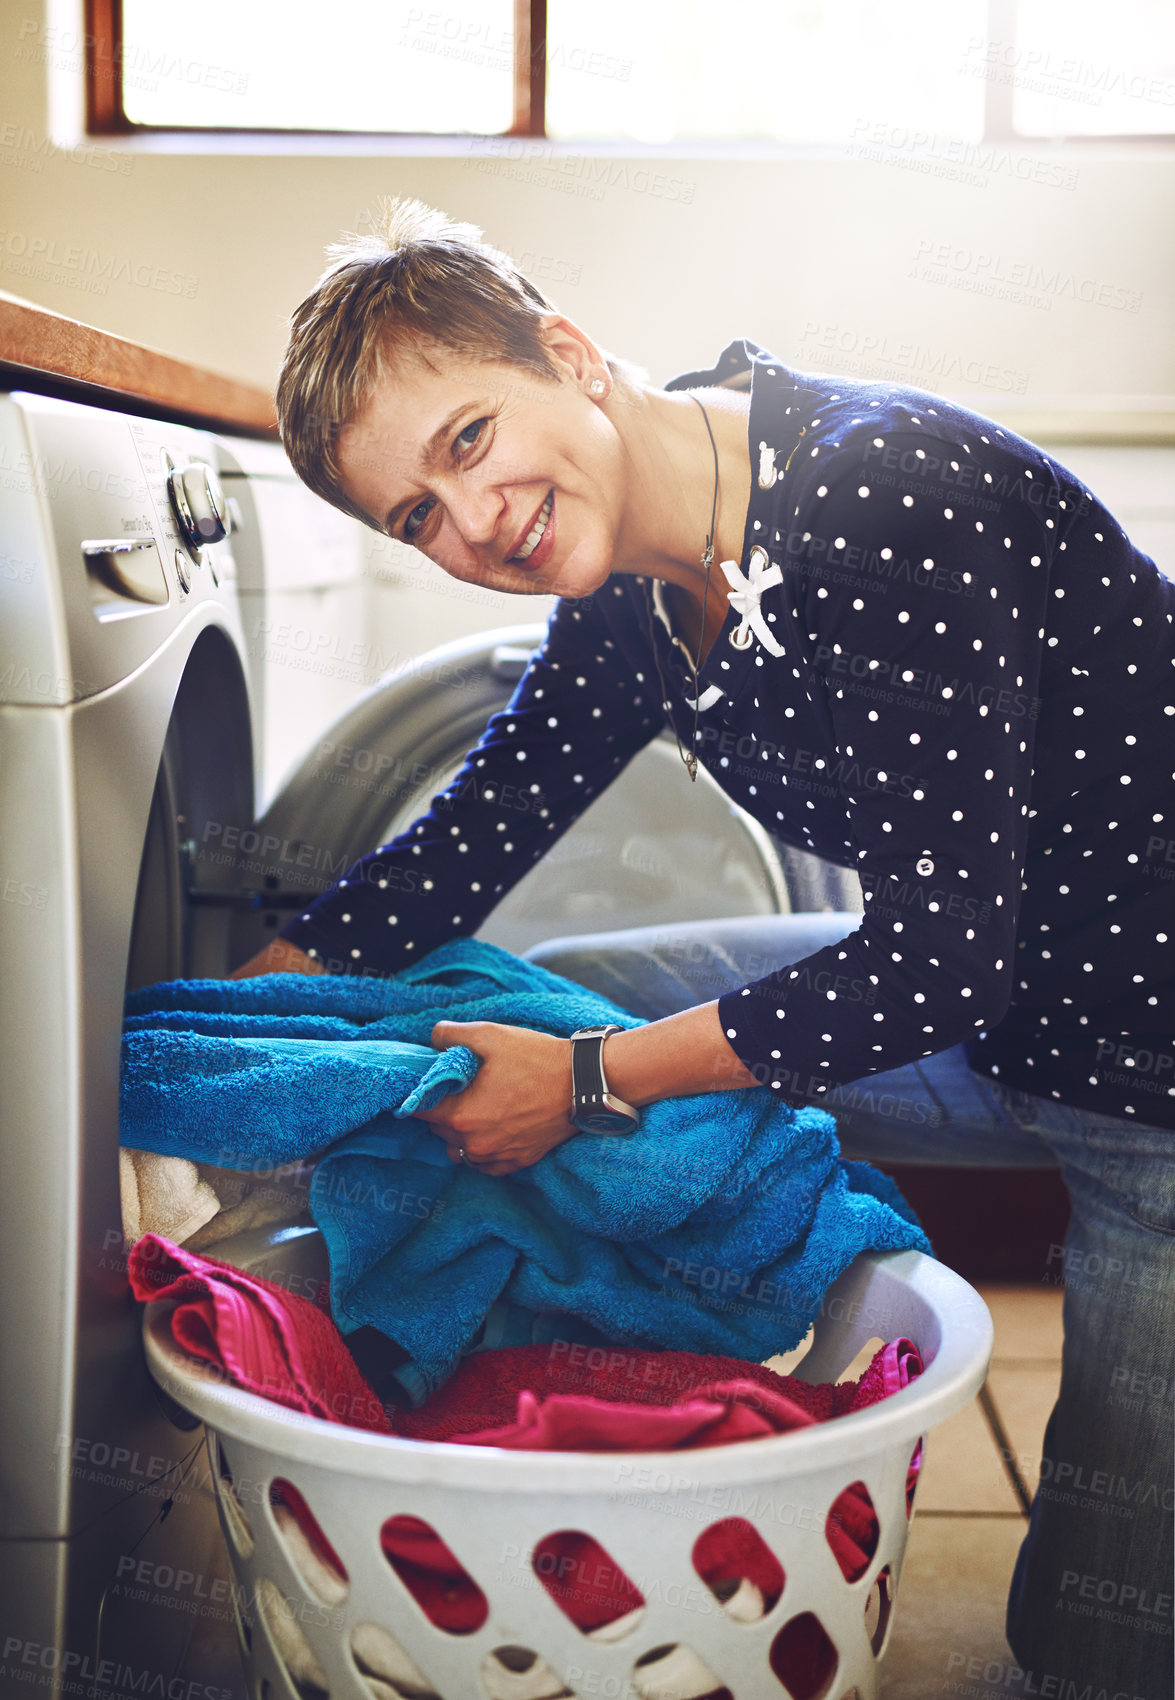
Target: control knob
[[199, 504]]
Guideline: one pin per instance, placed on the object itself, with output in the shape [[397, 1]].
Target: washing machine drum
[[188, 889], [650, 850]]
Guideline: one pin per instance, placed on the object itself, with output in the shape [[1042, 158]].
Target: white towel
[[196, 1204], [162, 1195]]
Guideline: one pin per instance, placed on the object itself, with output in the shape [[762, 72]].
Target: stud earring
[[597, 386]]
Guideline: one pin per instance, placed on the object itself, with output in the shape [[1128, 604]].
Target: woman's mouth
[[540, 539]]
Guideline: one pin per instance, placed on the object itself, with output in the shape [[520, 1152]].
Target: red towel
[[671, 1400], [574, 1398], [256, 1334]]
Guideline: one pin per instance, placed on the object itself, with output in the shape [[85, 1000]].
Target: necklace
[[689, 757]]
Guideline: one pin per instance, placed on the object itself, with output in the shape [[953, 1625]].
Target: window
[[641, 72]]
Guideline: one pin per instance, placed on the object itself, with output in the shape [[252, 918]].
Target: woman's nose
[[477, 512]]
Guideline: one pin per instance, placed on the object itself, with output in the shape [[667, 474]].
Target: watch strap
[[587, 1067]]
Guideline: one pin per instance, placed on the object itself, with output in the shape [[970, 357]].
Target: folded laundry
[[717, 1227], [252, 1331]]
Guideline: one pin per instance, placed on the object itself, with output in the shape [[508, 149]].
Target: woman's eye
[[422, 509], [475, 427], [411, 528]]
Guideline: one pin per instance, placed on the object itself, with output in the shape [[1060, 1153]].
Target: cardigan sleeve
[[577, 717], [929, 697]]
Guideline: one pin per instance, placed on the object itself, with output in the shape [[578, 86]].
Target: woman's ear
[[569, 346]]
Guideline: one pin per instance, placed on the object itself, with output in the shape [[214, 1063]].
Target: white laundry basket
[[308, 1632]]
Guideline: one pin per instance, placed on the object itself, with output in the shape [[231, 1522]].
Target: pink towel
[[256, 1334]]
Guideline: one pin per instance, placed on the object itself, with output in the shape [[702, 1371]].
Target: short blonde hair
[[421, 281]]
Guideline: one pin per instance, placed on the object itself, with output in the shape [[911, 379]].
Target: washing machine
[[154, 821]]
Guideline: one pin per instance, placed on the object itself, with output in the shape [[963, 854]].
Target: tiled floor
[[969, 1519]]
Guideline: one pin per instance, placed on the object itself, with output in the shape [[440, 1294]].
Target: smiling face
[[504, 479]]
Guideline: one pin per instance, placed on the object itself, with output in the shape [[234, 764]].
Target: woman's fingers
[[515, 1110]]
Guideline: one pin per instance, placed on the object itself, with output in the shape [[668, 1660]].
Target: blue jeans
[[1091, 1594]]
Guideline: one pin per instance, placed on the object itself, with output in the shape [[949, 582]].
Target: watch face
[[606, 1121]]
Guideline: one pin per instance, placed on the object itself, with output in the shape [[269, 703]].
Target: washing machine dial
[[199, 503]]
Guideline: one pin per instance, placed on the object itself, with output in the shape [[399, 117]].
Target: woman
[[904, 639]]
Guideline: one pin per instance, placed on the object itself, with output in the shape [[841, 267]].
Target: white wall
[[822, 256], [1024, 281]]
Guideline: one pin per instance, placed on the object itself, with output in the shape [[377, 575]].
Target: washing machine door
[[650, 850]]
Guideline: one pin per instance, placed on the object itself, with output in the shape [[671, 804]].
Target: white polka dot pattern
[[951, 606]]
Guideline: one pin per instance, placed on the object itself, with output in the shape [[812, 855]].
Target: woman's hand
[[518, 1106]]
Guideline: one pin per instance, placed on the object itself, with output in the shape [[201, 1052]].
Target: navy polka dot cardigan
[[943, 664]]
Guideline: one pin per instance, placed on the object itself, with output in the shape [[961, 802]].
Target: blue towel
[[717, 1227]]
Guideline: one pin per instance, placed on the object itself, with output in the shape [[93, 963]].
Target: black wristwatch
[[593, 1108]]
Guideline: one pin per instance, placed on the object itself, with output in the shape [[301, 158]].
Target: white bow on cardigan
[[746, 595]]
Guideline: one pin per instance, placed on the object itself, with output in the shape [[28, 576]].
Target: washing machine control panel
[[198, 503], [120, 526]]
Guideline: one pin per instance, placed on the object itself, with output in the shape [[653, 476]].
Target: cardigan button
[[924, 865]]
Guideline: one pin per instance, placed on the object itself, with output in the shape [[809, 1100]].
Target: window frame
[[105, 113]]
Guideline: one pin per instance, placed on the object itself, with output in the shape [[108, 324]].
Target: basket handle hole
[[441, 1586], [587, 1584], [237, 1525], [309, 1551], [803, 1657], [386, 1668], [852, 1530], [284, 1619], [912, 1472], [739, 1568], [519, 1670], [676, 1670], [878, 1609]]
